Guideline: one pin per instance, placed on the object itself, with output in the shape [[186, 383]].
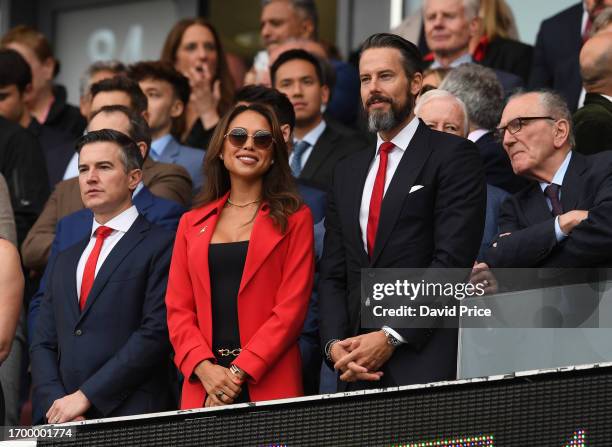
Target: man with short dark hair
[[416, 201], [564, 218], [318, 144], [15, 83], [164, 180], [168, 93], [112, 363]]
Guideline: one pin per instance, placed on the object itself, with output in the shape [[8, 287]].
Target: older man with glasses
[[564, 217]]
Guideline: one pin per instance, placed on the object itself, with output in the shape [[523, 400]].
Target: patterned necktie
[[296, 162], [552, 192], [89, 273], [377, 195]]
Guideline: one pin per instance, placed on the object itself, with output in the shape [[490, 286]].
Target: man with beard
[[417, 200]]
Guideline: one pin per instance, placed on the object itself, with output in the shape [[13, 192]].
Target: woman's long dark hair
[[172, 43], [279, 191]]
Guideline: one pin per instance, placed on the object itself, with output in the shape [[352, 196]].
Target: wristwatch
[[391, 338]]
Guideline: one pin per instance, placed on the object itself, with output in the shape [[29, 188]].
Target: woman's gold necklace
[[243, 205]]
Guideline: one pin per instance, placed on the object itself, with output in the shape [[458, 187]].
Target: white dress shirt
[[475, 135], [120, 225], [401, 142], [311, 138]]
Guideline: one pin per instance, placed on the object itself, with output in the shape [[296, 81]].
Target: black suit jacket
[[117, 349], [498, 169], [22, 164], [509, 55], [532, 243], [438, 225], [593, 125], [334, 144], [58, 148], [556, 52]]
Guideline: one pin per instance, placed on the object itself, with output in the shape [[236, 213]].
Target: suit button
[[78, 332]]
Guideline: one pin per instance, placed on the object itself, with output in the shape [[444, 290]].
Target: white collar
[[403, 138], [122, 222]]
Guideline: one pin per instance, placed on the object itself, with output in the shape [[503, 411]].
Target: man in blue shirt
[[168, 93]]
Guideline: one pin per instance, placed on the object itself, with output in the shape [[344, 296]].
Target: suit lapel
[[361, 168], [410, 166], [124, 247], [264, 238], [572, 182], [320, 152], [170, 152], [73, 255], [536, 209]]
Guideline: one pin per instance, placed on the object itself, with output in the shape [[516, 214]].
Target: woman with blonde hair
[[497, 45]]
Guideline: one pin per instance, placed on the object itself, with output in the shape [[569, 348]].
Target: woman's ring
[[220, 394]]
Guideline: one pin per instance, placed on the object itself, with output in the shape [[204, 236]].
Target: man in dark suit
[[88, 360], [417, 200], [318, 144], [483, 96], [555, 56], [449, 27], [593, 122], [564, 217]]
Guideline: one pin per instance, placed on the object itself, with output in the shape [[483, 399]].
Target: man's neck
[[25, 119], [156, 134], [302, 129], [548, 171], [390, 134], [446, 59], [103, 217]]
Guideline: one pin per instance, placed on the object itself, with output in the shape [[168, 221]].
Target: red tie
[[377, 195], [90, 266]]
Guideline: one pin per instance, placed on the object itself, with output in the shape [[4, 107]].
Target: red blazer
[[272, 301]]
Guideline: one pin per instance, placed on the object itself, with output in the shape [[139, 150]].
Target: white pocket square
[[415, 188]]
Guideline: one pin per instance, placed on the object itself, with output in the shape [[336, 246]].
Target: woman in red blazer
[[242, 270]]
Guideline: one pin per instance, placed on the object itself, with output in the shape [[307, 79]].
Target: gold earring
[[221, 156]]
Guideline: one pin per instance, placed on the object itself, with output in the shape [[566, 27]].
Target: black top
[[226, 263], [22, 163]]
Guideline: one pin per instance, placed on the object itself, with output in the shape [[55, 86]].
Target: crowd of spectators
[[191, 237]]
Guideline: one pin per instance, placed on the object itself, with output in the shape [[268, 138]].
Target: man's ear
[[177, 108], [561, 133], [324, 95], [286, 129], [474, 25], [416, 83], [134, 178], [143, 148], [306, 28]]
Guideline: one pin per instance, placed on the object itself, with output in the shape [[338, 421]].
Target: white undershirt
[[120, 225], [401, 142]]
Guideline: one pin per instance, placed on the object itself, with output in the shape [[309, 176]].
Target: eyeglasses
[[517, 124], [238, 136]]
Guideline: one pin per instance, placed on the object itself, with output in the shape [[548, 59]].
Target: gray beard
[[381, 121]]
